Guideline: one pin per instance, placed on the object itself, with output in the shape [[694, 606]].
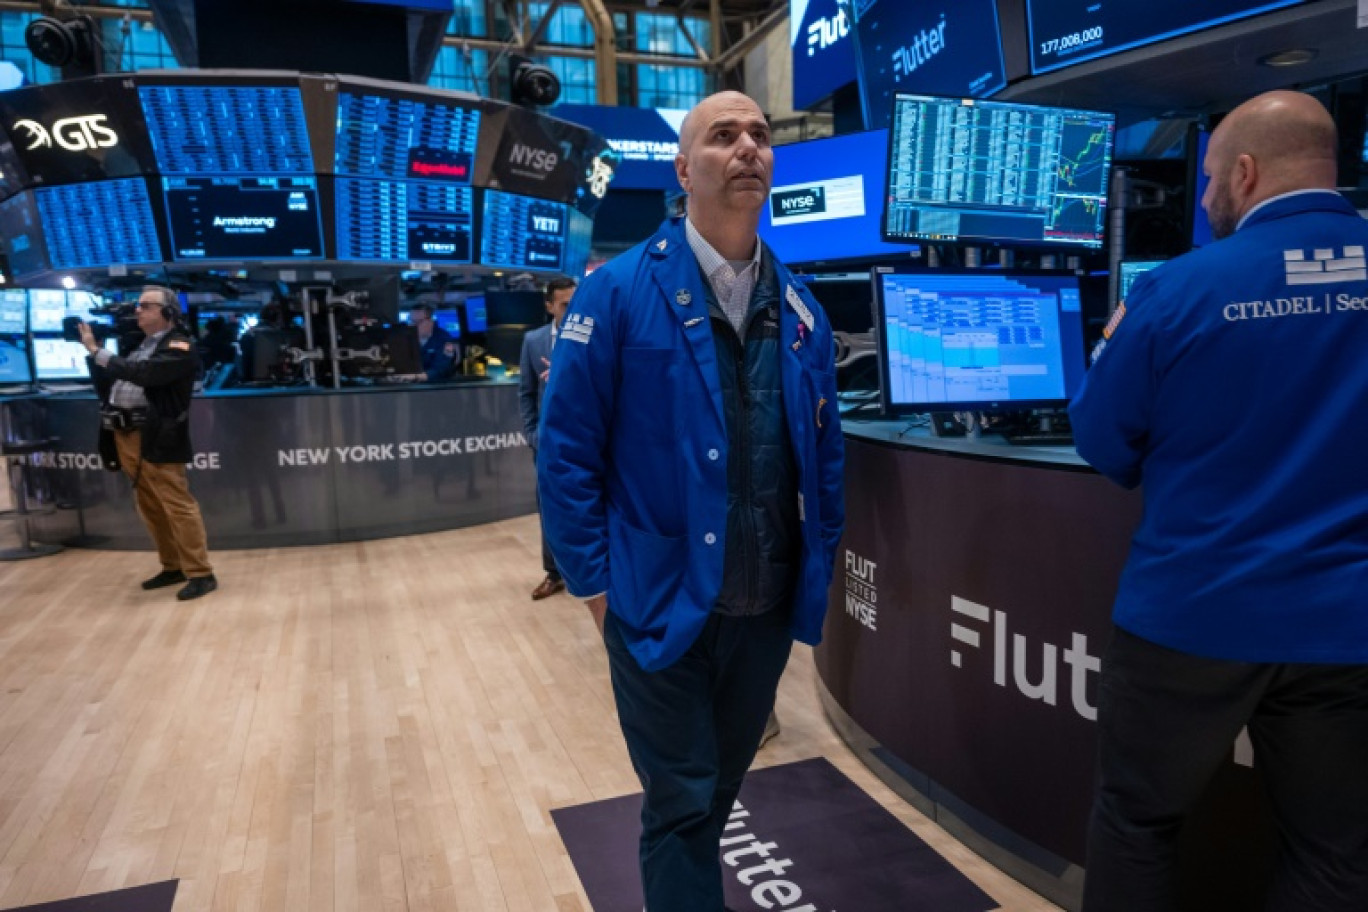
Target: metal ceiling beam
[[530, 45], [735, 55], [606, 54]]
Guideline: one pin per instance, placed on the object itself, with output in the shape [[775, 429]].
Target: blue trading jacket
[[632, 464], [1234, 388]]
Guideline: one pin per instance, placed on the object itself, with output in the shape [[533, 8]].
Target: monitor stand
[[946, 424]]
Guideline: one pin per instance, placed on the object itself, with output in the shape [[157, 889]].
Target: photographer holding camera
[[145, 430]]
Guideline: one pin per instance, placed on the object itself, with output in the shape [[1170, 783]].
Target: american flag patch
[[1115, 320]]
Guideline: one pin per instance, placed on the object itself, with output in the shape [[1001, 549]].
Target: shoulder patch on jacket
[[1117, 316], [178, 345]]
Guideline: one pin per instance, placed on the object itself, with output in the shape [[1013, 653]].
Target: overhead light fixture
[[68, 283], [1289, 58]]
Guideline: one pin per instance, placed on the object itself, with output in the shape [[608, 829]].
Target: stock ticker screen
[[520, 232], [404, 169], [243, 218], [978, 337], [13, 312], [1065, 32], [199, 129], [99, 223], [979, 171], [21, 235]]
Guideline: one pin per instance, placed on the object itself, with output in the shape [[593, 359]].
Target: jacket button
[[710, 539], [712, 454]]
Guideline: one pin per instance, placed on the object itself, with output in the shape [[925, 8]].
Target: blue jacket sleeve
[[1111, 414], [527, 393], [572, 457]]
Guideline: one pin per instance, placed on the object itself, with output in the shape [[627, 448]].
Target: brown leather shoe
[[547, 588]]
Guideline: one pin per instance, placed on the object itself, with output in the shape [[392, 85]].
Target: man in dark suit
[[534, 367]]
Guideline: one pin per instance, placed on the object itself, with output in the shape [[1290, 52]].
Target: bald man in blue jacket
[[690, 471]]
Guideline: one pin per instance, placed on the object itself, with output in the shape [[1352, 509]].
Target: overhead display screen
[[380, 136], [823, 51], [22, 235], [966, 170], [644, 140], [13, 312], [98, 224], [1065, 32], [928, 48], [523, 233], [199, 129], [243, 218], [827, 199], [404, 221]]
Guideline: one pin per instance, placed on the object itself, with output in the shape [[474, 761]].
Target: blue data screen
[[397, 138], [404, 221], [96, 224], [14, 363], [227, 129], [47, 308], [999, 339], [523, 233]]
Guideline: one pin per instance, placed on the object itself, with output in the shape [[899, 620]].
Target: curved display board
[[262, 167]]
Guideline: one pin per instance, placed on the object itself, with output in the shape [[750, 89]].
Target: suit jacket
[[536, 346]]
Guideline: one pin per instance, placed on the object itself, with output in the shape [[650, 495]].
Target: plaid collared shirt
[[733, 289], [124, 394]]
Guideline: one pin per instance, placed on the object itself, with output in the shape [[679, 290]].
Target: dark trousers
[[548, 562], [1167, 720], [692, 731]]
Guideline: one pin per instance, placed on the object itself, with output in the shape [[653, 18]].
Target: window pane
[[468, 19], [661, 34], [569, 26], [452, 70], [669, 86], [576, 78]]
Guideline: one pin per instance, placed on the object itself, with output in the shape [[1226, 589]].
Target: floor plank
[[374, 726]]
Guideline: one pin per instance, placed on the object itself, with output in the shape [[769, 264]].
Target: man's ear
[[682, 172]]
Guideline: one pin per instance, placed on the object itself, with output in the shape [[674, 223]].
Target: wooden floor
[[378, 726]]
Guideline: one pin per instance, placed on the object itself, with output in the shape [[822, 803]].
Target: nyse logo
[[1046, 687], [825, 32], [532, 157], [862, 592], [75, 134], [802, 201], [927, 44]]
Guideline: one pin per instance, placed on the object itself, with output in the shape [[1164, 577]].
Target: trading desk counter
[[299, 467], [970, 606]]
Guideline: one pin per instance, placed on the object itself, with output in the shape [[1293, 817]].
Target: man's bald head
[[705, 109], [1272, 144]]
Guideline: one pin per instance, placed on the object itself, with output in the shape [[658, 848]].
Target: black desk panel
[[303, 468]]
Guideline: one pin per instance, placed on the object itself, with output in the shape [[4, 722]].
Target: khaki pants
[[167, 508]]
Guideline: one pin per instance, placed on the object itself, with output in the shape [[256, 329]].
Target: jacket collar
[[1295, 204]]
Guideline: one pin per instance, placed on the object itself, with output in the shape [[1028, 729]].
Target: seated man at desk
[[440, 351]]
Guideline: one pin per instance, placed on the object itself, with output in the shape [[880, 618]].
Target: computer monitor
[[1130, 271], [227, 126], [449, 320], [971, 340], [521, 232], [845, 297], [59, 359], [99, 224], [515, 308], [476, 318], [13, 312], [47, 308], [963, 170], [243, 218], [14, 362]]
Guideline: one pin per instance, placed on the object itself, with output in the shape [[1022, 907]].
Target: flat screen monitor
[[14, 362], [21, 235], [1065, 32], [476, 319], [397, 221], [826, 200], [47, 308], [399, 137], [515, 308], [99, 224], [962, 170], [58, 359], [520, 232], [13, 312], [579, 237], [931, 48], [227, 129], [1130, 271], [977, 339], [846, 297], [449, 320], [243, 218], [821, 48]]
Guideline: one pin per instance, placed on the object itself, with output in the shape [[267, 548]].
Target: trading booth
[[327, 191]]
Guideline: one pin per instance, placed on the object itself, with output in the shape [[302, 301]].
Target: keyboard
[[1038, 438]]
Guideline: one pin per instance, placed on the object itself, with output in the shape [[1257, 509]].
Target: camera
[[124, 326]]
